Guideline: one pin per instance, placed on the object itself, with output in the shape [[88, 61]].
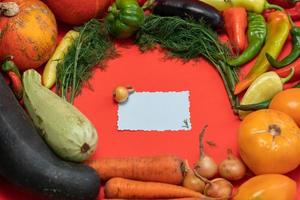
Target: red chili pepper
[[283, 72], [235, 20], [16, 84], [284, 3]]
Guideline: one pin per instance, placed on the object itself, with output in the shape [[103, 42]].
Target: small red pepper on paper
[[235, 20]]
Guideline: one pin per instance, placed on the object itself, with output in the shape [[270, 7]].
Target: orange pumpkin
[[267, 186], [76, 12], [288, 101], [30, 36], [269, 142]]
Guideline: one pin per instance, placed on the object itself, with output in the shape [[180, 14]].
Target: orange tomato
[[269, 142], [288, 101], [267, 187], [30, 36]]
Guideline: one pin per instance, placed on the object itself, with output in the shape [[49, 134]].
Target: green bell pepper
[[124, 18]]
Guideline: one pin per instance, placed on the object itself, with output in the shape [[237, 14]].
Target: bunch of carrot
[[144, 178]]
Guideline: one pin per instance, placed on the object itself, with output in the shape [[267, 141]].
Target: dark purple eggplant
[[27, 161], [192, 9]]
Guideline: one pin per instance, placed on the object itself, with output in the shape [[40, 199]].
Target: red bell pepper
[[284, 3], [235, 20], [283, 72], [294, 12]]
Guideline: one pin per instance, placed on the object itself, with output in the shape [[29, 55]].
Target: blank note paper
[[155, 111]]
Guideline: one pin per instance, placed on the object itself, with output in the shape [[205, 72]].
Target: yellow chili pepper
[[257, 6], [265, 87], [278, 28], [49, 74]]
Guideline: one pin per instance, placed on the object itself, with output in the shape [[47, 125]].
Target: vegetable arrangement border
[[186, 29]]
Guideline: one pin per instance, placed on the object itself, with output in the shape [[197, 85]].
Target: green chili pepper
[[278, 28], [257, 32], [264, 88], [295, 53], [124, 18]]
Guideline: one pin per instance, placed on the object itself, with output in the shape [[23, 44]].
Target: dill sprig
[[90, 49], [189, 39]]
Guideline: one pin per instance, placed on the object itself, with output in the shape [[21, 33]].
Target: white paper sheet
[[155, 111]]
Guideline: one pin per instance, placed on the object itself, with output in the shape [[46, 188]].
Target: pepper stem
[[291, 21], [286, 79], [272, 6], [253, 107], [9, 65]]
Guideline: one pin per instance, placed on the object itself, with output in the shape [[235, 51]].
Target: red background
[[151, 71]]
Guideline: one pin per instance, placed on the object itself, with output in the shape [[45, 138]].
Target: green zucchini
[[27, 162], [66, 130]]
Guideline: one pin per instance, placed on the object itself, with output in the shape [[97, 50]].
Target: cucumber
[[26, 160], [65, 129]]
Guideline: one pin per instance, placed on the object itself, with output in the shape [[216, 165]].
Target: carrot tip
[[242, 85]]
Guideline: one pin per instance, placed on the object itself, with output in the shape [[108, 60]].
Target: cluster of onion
[[198, 179]]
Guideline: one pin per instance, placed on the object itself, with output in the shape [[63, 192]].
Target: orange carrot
[[130, 189], [165, 169], [235, 20]]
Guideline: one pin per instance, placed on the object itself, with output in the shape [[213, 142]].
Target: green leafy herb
[[189, 39], [91, 48]]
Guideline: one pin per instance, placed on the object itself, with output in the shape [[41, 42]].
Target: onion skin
[[192, 181], [219, 188], [206, 167], [122, 93], [232, 168]]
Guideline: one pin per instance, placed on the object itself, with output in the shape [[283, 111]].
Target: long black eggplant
[[193, 9], [26, 160]]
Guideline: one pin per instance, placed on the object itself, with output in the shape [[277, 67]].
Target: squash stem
[[9, 9]]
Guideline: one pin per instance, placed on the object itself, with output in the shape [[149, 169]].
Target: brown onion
[[232, 168], [219, 188], [206, 166], [191, 181], [122, 93]]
